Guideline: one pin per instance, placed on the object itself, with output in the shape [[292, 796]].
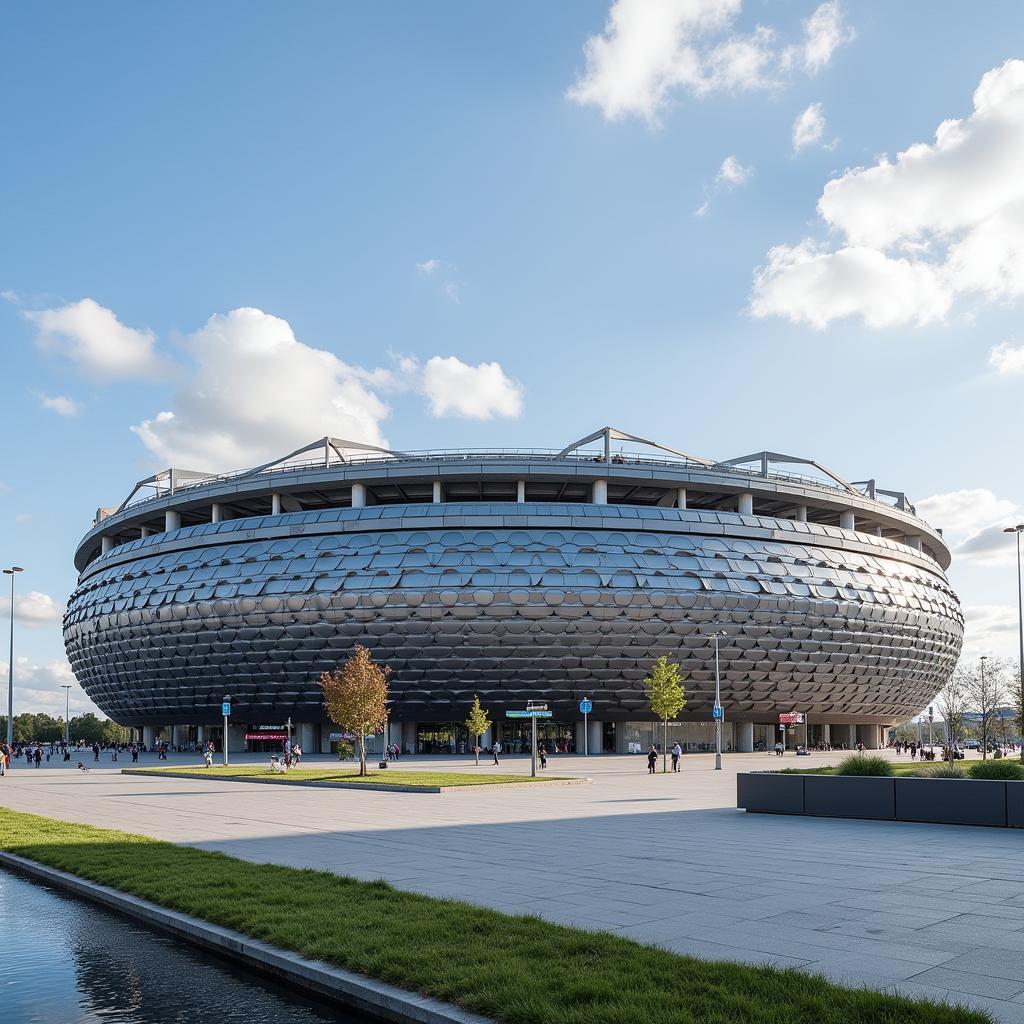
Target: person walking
[[652, 760], [542, 753], [496, 750], [676, 754], [38, 756]]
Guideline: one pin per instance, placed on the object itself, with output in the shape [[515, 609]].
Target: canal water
[[68, 961]]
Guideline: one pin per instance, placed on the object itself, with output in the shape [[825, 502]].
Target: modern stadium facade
[[520, 576]]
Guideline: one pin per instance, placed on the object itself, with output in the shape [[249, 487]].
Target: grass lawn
[[519, 970], [910, 768], [387, 777]]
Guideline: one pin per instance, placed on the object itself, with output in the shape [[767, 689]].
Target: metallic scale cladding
[[515, 575]]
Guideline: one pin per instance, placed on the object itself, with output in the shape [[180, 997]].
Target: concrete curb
[[383, 787], [373, 998]]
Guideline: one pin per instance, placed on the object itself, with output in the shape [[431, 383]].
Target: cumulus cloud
[[37, 688], [650, 50], [1007, 359], [478, 392], [444, 274], [944, 220], [257, 392], [733, 173], [989, 629], [972, 521], [61, 405], [809, 127], [94, 339], [33, 608]]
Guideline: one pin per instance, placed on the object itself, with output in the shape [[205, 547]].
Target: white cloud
[[33, 608], [93, 338], [256, 392], [808, 127], [733, 173], [10, 296], [989, 629], [444, 274], [1006, 358], [478, 392], [651, 49], [61, 405], [972, 522], [942, 221], [37, 688]]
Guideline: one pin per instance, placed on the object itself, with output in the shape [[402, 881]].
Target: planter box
[[850, 796], [1015, 804], [952, 801], [766, 793]]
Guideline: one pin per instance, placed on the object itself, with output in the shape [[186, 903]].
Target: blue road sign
[[528, 714], [718, 711], [225, 709], [586, 706]]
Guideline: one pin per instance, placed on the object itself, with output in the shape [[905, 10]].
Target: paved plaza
[[923, 909]]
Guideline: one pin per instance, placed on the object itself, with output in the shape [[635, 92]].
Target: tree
[[1017, 702], [986, 692], [666, 697], [952, 705], [478, 723], [356, 697]]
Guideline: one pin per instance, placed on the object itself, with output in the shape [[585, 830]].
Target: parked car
[[971, 744]]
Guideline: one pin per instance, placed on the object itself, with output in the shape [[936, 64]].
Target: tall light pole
[[1018, 529], [718, 711], [14, 569], [66, 687]]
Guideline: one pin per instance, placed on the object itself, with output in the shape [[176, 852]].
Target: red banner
[[791, 718]]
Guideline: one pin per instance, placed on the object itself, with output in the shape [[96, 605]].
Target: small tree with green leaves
[[356, 697], [666, 697], [478, 723]]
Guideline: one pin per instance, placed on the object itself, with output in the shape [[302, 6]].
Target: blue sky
[[426, 190]]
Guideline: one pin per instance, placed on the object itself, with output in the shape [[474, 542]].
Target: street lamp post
[[226, 709], [718, 712], [12, 571], [1018, 529], [66, 687]]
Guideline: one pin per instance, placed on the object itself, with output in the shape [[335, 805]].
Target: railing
[[466, 454]]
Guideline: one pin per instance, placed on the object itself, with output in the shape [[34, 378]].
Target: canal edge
[[336, 984]]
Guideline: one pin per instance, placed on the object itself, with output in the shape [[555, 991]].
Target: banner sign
[[791, 718], [266, 735]]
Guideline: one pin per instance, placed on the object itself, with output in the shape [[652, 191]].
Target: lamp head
[[1014, 529], [13, 569]]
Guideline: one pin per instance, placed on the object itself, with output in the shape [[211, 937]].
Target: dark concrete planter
[[767, 793], [850, 796], [938, 801], [952, 801]]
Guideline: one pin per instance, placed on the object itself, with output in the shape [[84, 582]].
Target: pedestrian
[[496, 750], [676, 753], [652, 760], [542, 753], [38, 756], [395, 751]]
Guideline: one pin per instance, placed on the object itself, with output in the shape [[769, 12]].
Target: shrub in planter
[[346, 751], [1005, 769], [941, 771], [861, 765]]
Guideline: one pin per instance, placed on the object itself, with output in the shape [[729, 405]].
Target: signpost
[[931, 718], [225, 710], [586, 706], [533, 712]]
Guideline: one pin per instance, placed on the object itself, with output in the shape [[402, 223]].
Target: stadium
[[544, 575]]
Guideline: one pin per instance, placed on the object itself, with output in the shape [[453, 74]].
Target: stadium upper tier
[[332, 473]]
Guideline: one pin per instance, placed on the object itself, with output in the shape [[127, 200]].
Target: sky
[[228, 229]]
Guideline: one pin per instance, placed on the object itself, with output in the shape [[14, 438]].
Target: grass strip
[[389, 777], [906, 769], [520, 970]]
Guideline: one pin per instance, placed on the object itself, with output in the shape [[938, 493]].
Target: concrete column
[[681, 497], [236, 738], [359, 495], [436, 497], [172, 519], [599, 492], [201, 734], [594, 736], [216, 513], [848, 734], [826, 733], [847, 520], [275, 504], [520, 491], [485, 741], [878, 531], [178, 734], [145, 531], [914, 542], [149, 736], [580, 733], [106, 544], [306, 735], [744, 737], [869, 736], [745, 504]]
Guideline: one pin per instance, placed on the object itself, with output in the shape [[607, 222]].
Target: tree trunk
[[984, 737], [362, 751], [664, 746], [476, 750]]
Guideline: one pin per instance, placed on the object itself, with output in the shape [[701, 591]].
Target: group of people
[[290, 757], [652, 758]]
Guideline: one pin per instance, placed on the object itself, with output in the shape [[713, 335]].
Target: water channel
[[65, 960]]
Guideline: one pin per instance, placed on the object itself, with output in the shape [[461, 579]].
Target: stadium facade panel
[[473, 573]]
